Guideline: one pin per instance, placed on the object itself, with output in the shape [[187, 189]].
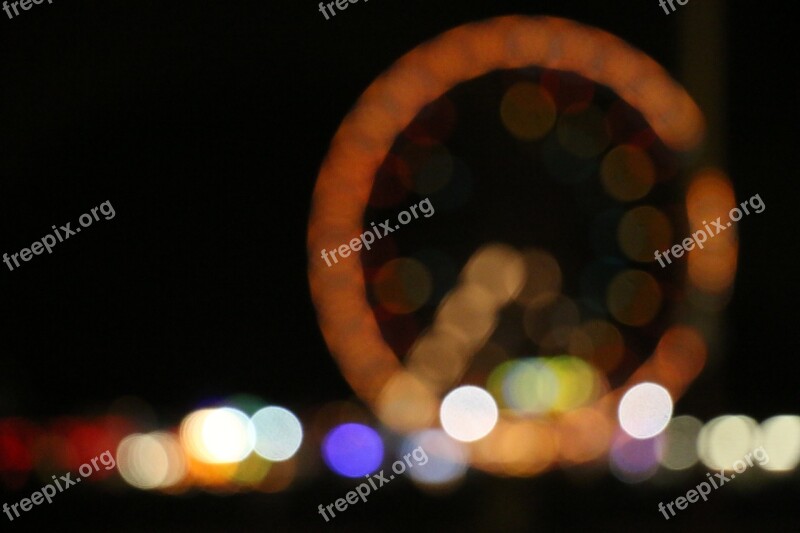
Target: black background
[[204, 125]]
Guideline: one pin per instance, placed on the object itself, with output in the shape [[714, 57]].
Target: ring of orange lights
[[365, 137]]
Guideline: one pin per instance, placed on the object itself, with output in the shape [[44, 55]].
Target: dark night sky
[[204, 128], [204, 125]]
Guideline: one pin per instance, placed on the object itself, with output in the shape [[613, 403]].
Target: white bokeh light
[[468, 413], [141, 461], [221, 435], [150, 461], [278, 433], [645, 410], [727, 439], [781, 437]]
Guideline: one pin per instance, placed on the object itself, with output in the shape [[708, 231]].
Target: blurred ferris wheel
[[558, 159]]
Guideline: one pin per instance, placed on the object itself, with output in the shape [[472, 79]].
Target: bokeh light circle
[[352, 450], [726, 439], [645, 410], [278, 433], [220, 435], [634, 297], [628, 173], [530, 386], [781, 438], [634, 460], [527, 111], [446, 458], [642, 231], [468, 413], [150, 461], [499, 269], [680, 443]]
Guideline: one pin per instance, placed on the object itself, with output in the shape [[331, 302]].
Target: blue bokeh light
[[352, 450]]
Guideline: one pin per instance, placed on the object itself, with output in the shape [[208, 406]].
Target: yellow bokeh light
[[634, 297], [577, 382], [600, 343], [499, 269], [406, 403], [496, 381], [530, 386], [642, 231], [468, 313], [251, 471], [438, 358], [527, 111], [628, 173], [544, 385], [543, 279]]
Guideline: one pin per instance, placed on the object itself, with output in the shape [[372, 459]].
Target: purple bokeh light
[[352, 450]]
